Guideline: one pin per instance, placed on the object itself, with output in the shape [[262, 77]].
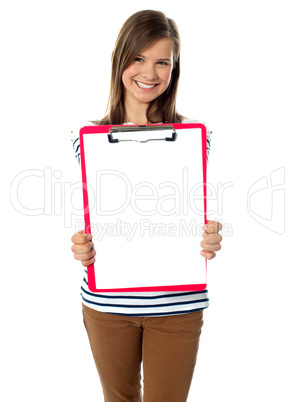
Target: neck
[[136, 113]]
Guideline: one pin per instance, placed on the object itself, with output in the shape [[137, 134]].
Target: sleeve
[[208, 143], [76, 148], [75, 139]]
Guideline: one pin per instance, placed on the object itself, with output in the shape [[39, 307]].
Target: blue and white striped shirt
[[142, 303]]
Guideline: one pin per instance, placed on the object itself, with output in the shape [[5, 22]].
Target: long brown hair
[[138, 32]]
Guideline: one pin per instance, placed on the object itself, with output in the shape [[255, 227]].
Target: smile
[[141, 85]]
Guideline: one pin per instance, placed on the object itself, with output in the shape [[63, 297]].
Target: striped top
[[144, 304]]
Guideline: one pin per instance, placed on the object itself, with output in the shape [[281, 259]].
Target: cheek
[[167, 77], [124, 78], [128, 74]]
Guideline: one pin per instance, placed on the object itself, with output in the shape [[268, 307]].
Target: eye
[[138, 59], [163, 63]]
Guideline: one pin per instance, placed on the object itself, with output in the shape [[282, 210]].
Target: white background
[[237, 77]]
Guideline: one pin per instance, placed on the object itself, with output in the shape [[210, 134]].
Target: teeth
[[141, 85]]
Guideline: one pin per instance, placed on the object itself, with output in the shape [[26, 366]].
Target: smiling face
[[149, 74]]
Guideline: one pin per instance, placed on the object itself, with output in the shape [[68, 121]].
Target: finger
[[82, 248], [211, 247], [212, 227], [212, 238], [85, 256], [207, 254], [88, 262], [81, 237]]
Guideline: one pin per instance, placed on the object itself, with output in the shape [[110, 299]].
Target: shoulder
[[208, 134], [76, 126], [75, 135], [186, 121]]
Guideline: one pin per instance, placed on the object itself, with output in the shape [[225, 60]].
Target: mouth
[[145, 86]]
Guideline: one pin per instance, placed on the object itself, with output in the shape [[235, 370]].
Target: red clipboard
[[100, 153]]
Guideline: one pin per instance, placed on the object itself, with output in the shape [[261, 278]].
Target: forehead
[[160, 47]]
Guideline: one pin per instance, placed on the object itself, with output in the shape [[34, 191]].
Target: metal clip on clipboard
[[141, 128]]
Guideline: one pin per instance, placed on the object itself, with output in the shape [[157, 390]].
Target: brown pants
[[167, 346]]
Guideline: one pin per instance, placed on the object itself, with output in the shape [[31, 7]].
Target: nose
[[149, 71]]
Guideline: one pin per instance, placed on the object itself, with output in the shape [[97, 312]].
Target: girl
[[162, 329]]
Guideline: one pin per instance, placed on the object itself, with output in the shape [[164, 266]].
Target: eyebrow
[[167, 59]]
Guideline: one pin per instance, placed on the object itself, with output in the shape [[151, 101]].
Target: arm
[[83, 247], [211, 237]]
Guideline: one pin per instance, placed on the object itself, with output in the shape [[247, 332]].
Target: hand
[[83, 248], [211, 239]]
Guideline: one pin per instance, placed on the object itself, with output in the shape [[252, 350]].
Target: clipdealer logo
[[36, 192]]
